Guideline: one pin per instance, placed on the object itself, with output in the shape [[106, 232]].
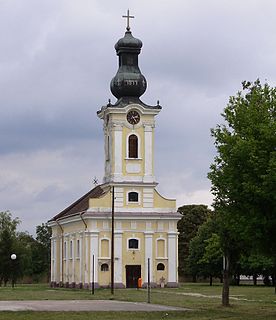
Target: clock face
[[133, 117]]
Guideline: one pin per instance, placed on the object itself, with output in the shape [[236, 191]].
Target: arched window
[[133, 197], [104, 267], [133, 243], [160, 267], [132, 146]]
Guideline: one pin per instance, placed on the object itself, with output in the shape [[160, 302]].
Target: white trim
[[152, 214], [81, 257], [148, 253], [94, 249], [87, 236], [117, 150], [172, 256], [52, 261], [124, 110], [118, 249], [73, 260], [67, 261], [148, 136], [60, 259], [128, 209]]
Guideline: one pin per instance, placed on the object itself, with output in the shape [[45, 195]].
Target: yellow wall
[[161, 202]]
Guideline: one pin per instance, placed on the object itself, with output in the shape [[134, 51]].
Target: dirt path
[[83, 305]]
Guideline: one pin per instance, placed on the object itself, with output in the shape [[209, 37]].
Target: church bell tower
[[129, 123]]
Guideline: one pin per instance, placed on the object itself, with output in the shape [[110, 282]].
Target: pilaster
[[94, 249], [118, 244], [148, 254], [172, 259]]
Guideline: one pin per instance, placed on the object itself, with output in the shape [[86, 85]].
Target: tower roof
[[129, 83]]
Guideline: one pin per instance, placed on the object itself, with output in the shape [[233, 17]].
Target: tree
[[205, 254], [7, 240], [243, 174], [192, 217], [255, 264], [42, 250]]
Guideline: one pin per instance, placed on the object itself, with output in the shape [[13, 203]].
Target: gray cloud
[[57, 58]]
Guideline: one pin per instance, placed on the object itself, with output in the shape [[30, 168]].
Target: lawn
[[247, 302]]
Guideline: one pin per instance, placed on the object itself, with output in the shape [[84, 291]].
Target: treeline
[[32, 255], [201, 250]]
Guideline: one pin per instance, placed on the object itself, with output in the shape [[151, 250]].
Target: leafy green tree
[[24, 250], [205, 256], [192, 217], [256, 264], [8, 227], [42, 251], [243, 174]]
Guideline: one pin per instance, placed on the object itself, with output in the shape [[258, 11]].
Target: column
[[73, 259], [86, 266], [56, 260], [53, 276], [94, 249], [148, 254], [67, 259], [117, 151], [81, 259], [172, 259], [118, 255], [61, 252], [148, 154]]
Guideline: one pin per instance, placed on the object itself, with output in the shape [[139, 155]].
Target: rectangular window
[[78, 248], [133, 243], [53, 250], [133, 197], [64, 250], [71, 249]]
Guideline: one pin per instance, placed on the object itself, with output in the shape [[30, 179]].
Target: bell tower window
[[133, 146]]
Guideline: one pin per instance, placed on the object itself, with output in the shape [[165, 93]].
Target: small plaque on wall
[[133, 168]]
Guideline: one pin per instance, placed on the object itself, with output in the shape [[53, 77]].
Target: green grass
[[258, 303]]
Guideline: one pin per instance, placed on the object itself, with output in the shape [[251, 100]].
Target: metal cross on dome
[[128, 17]]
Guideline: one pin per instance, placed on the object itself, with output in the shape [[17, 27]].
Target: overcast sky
[[57, 58]]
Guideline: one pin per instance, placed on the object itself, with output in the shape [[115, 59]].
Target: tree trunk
[[254, 279], [238, 279], [225, 288], [211, 280]]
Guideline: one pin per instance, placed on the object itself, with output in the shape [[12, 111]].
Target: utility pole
[[148, 280]]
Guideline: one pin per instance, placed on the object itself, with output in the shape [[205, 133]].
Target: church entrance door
[[133, 273]]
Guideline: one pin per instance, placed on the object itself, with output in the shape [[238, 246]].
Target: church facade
[[145, 223]]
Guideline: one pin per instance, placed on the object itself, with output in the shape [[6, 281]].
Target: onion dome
[[128, 81]]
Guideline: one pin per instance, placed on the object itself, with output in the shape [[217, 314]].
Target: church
[[123, 224]]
